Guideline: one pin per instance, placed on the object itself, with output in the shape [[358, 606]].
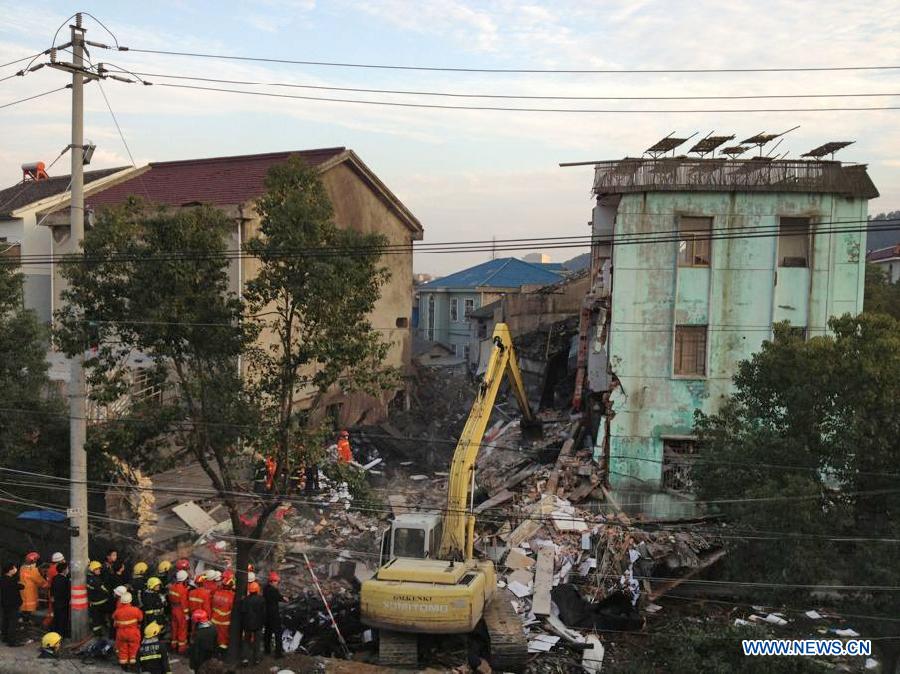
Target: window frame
[[678, 354], [675, 474], [454, 310], [468, 306], [787, 222], [688, 239]]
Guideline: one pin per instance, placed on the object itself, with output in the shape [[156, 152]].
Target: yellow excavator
[[429, 581]]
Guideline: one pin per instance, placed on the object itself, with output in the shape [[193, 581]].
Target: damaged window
[[454, 310], [470, 307], [693, 241], [690, 350], [793, 242], [676, 471]]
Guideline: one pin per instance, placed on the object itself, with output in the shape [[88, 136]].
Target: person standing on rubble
[[273, 599], [32, 581], [138, 583], [153, 603], [199, 598], [61, 593], [10, 601], [127, 621], [153, 657], [203, 644], [178, 603], [55, 560], [222, 607], [345, 452], [98, 598], [253, 618]]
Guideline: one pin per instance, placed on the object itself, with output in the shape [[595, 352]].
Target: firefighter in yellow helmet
[[50, 645]]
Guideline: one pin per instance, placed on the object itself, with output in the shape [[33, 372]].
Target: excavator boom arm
[[457, 538]]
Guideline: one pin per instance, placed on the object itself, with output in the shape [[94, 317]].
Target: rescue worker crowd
[[148, 613]]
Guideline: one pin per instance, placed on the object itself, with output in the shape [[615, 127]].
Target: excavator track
[[398, 649], [509, 648]]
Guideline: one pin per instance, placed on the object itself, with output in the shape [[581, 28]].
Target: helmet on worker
[[274, 577], [32, 558], [126, 598], [57, 557], [152, 630], [153, 583], [344, 434], [199, 616], [95, 566], [181, 576], [140, 569], [163, 567], [183, 564]]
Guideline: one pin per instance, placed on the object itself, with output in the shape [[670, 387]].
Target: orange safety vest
[[199, 597], [222, 605], [32, 580], [344, 453], [178, 596], [128, 617]]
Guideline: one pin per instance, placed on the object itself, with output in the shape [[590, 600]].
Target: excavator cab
[[412, 535]]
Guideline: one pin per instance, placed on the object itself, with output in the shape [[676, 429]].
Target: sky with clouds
[[467, 175]]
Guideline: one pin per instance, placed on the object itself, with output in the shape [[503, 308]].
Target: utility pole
[[78, 512]]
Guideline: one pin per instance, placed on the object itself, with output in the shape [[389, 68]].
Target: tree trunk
[[242, 559]]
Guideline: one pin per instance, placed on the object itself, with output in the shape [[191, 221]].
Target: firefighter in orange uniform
[[127, 621], [32, 581], [222, 606], [178, 603], [51, 574], [200, 598], [345, 454]]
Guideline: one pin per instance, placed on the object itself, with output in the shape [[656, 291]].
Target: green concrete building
[[695, 260]]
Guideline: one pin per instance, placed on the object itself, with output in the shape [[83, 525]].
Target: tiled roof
[[884, 253], [505, 272], [22, 194], [218, 181]]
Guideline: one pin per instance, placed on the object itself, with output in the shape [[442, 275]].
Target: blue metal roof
[[504, 272]]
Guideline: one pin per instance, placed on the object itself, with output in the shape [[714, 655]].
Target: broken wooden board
[[580, 493], [522, 533], [707, 561], [195, 517], [543, 581], [517, 559], [520, 476], [553, 481], [500, 497]]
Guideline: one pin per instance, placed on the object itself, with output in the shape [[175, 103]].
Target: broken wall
[[738, 297]]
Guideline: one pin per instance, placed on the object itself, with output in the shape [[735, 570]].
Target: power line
[[416, 92], [324, 252], [31, 98], [569, 71], [496, 108], [24, 58]]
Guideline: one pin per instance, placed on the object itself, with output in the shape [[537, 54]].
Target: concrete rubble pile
[[570, 570]]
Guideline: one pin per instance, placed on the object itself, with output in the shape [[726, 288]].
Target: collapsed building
[[694, 261]]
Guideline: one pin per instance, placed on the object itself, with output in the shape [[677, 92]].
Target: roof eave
[[64, 198], [398, 207]]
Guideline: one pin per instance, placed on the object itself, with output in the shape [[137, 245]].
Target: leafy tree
[[686, 646], [33, 425], [303, 324], [816, 424], [881, 296]]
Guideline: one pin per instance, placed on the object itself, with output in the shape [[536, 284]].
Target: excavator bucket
[[532, 429]]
